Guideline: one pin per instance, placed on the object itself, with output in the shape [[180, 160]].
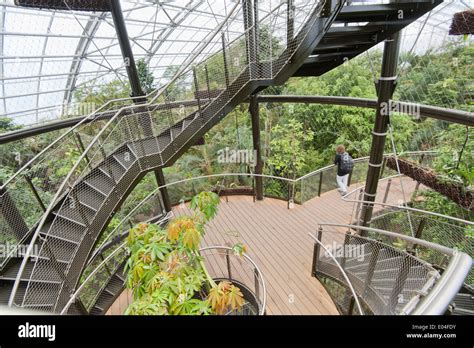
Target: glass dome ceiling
[[47, 55]]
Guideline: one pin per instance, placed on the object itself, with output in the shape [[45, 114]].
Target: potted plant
[[167, 273]]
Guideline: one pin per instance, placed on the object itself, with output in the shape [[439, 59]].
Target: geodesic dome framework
[[46, 56]]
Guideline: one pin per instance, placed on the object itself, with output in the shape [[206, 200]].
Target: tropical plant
[[166, 272], [288, 156]]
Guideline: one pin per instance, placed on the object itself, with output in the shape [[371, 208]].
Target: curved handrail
[[362, 159], [121, 247], [422, 242], [158, 92], [463, 221], [328, 252], [99, 266], [259, 272], [83, 156], [438, 298]]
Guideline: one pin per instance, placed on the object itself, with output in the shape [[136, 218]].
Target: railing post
[[160, 180], [224, 56], [35, 192], [105, 265], [81, 146], [358, 205], [371, 267], [384, 164], [420, 228], [196, 88], [316, 251], [422, 157], [415, 191], [80, 305], [399, 285], [387, 190], [346, 242], [257, 285], [290, 18], [419, 231], [227, 258], [208, 83], [351, 306], [320, 183]]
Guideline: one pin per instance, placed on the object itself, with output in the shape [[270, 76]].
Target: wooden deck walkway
[[277, 240]]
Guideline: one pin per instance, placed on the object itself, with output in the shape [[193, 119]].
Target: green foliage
[[167, 273], [455, 146], [100, 94], [288, 156], [145, 76]]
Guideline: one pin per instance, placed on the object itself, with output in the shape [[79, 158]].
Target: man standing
[[344, 163]]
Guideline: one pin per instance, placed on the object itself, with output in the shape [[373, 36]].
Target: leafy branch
[[166, 271]]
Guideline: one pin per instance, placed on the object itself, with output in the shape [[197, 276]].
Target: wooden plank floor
[[278, 241]]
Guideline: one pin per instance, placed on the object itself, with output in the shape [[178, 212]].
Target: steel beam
[[126, 49], [449, 115], [385, 88], [89, 31], [160, 180], [255, 115]]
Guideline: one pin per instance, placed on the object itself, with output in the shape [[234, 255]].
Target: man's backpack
[[347, 162]]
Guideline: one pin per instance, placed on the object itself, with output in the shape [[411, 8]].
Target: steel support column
[[255, 115], [136, 87], [160, 180], [126, 49], [385, 88]]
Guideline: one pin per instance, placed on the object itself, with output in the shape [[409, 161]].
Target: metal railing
[[323, 180], [389, 279], [98, 278], [401, 217], [133, 125], [221, 263], [319, 244], [182, 191], [35, 187]]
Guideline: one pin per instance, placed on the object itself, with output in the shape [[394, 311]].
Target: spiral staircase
[[135, 141]]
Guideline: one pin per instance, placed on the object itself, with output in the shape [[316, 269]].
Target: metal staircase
[[357, 29], [388, 272], [70, 216]]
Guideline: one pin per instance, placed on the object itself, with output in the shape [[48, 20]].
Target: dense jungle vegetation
[[299, 138]]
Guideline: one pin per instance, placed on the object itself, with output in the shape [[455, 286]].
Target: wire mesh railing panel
[[384, 277], [101, 162], [96, 284], [223, 264], [430, 228]]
